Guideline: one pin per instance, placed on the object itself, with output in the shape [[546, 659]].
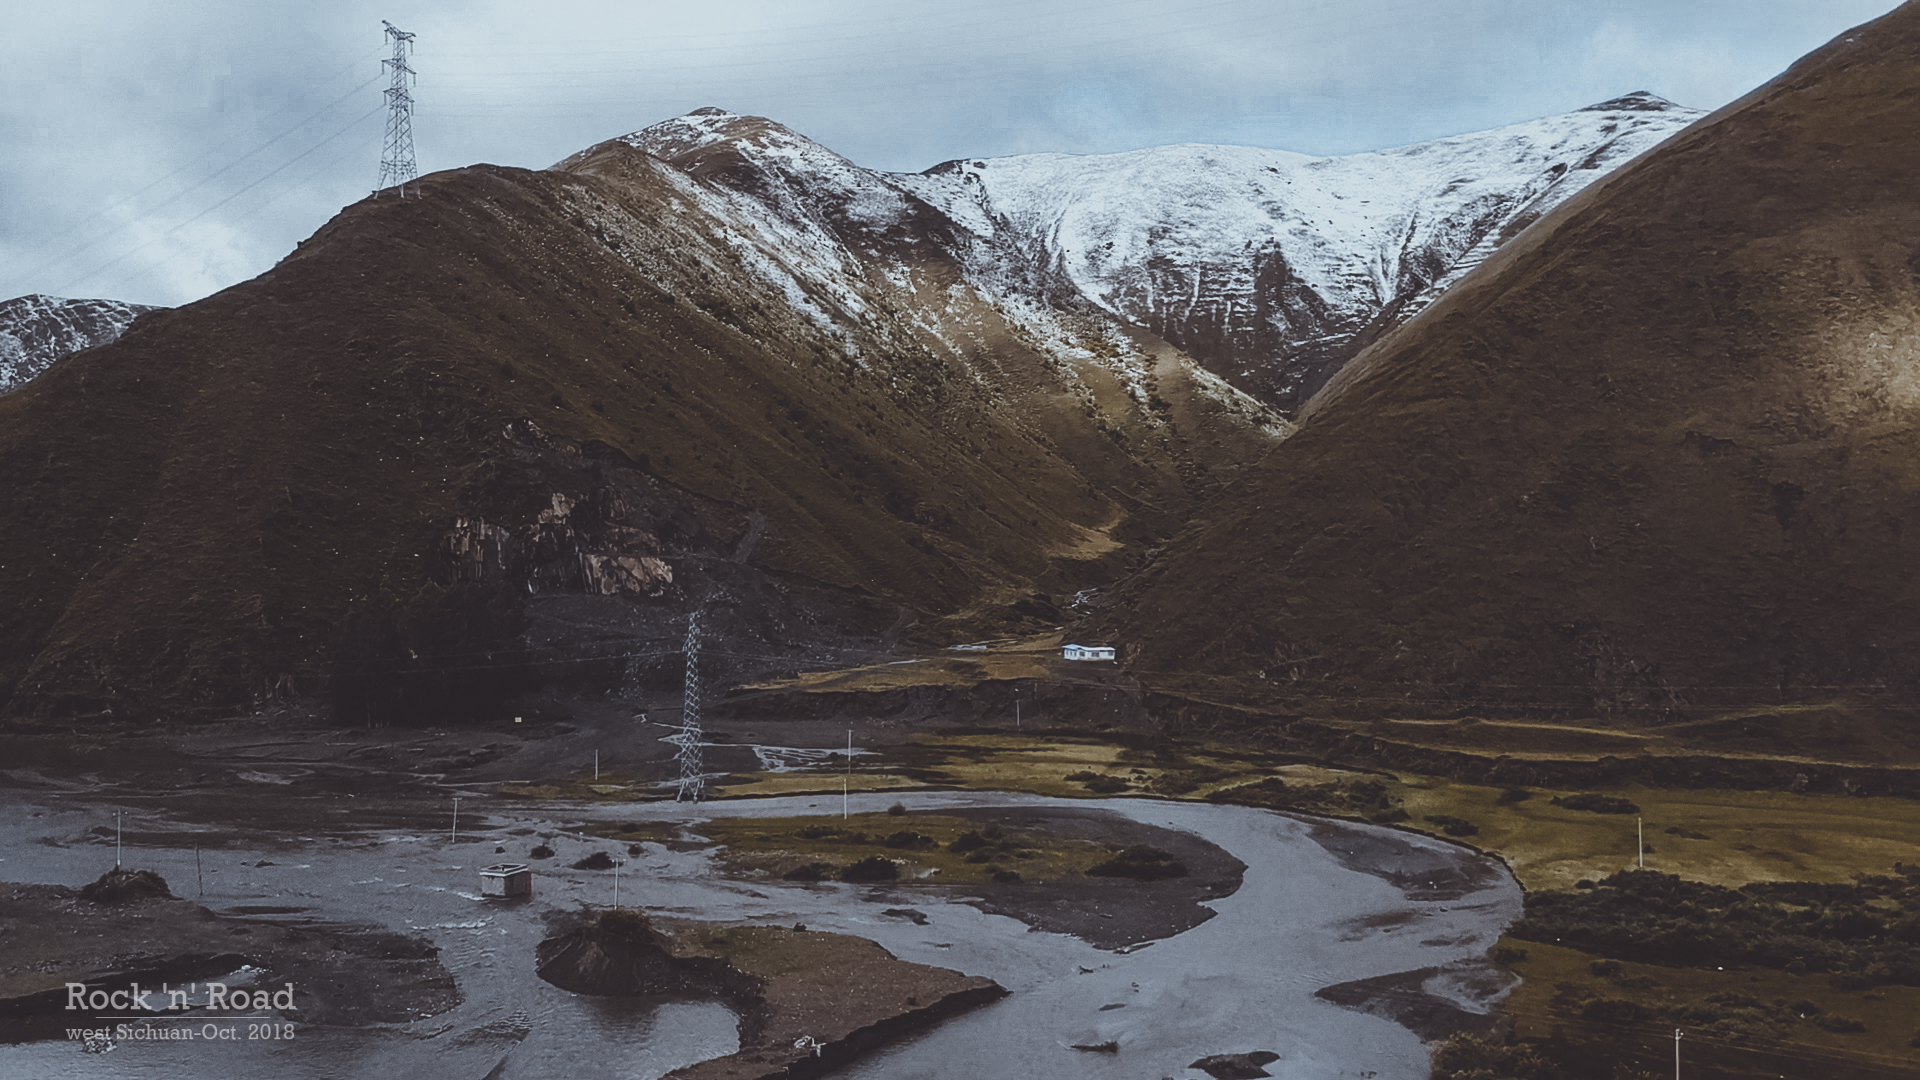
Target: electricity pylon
[[687, 736], [396, 158]]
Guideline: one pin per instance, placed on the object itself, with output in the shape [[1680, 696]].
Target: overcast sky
[[157, 152]]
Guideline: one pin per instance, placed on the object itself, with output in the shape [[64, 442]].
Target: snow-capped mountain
[[36, 330], [1271, 268]]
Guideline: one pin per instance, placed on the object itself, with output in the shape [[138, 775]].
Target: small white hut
[[1087, 652]]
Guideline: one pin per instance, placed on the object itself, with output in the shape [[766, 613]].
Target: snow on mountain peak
[[1270, 267], [1638, 101]]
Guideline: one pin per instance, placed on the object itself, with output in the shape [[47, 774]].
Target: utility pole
[[454, 836], [688, 735], [1640, 833], [396, 157], [1676, 1054], [116, 839]]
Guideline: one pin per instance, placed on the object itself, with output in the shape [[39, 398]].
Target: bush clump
[[1852, 930], [814, 871], [871, 868], [1595, 804], [599, 860], [1098, 783], [540, 851], [1141, 863], [1486, 1055], [1454, 826]]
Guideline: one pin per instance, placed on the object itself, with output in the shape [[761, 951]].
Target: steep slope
[[36, 330], [516, 429], [1273, 268], [1658, 454]]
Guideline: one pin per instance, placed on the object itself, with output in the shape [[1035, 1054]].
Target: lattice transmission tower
[[687, 737], [396, 158]]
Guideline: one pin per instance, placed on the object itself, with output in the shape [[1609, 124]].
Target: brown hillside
[[553, 410], [1660, 453]]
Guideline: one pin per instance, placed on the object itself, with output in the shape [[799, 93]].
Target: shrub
[[1454, 826], [1507, 954], [906, 838], [1840, 1025], [897, 809], [1004, 876], [1467, 1056], [1596, 804], [967, 841], [1614, 1011], [626, 924], [1098, 783], [816, 871], [871, 868], [1514, 795], [599, 860], [540, 851]]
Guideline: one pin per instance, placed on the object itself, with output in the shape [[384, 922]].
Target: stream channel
[[1321, 903]]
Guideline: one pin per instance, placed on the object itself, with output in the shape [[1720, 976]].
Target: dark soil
[[1399, 998], [845, 993], [1419, 871], [342, 975]]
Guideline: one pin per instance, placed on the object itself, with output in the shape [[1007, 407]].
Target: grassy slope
[[1657, 453], [202, 506]]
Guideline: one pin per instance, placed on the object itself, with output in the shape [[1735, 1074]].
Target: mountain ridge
[[1650, 460], [1260, 263]]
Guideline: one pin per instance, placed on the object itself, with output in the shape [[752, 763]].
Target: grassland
[[1743, 1021], [935, 848]]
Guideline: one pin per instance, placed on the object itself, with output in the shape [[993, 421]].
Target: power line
[[177, 196], [117, 261]]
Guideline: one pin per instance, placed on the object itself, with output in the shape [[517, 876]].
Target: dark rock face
[[36, 330]]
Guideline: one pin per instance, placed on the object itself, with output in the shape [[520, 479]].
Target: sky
[[158, 152]]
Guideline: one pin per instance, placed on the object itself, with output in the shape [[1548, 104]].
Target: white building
[[1088, 652]]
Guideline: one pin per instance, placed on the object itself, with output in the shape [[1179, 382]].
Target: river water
[[1321, 903]]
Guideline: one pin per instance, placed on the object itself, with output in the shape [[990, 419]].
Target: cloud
[[157, 152]]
